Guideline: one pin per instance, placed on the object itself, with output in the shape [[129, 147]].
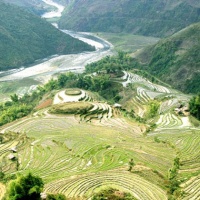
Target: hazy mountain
[[25, 38], [152, 17], [176, 59]]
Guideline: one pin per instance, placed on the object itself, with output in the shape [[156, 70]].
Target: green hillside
[[25, 38], [35, 6], [176, 59], [154, 18]]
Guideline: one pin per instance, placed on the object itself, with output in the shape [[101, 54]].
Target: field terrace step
[[191, 189], [62, 97], [86, 185]]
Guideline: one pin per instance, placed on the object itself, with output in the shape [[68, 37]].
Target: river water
[[45, 69], [56, 13]]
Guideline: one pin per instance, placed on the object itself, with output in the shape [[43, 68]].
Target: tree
[[1, 175], [62, 79], [131, 164], [26, 187], [14, 98], [112, 194], [56, 197], [1, 139], [194, 106]]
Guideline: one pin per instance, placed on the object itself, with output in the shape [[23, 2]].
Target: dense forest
[[25, 38], [152, 18]]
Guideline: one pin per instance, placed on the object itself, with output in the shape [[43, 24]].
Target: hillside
[[151, 18], [79, 142], [25, 38], [176, 59]]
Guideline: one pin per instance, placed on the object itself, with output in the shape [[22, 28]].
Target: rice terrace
[[99, 100], [80, 144]]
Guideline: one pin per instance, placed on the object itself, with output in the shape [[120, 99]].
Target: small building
[[14, 149], [116, 105], [43, 195], [11, 156]]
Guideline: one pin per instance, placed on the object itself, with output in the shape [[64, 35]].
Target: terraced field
[[81, 153], [171, 121], [87, 185], [2, 190], [62, 97], [191, 189], [187, 144]]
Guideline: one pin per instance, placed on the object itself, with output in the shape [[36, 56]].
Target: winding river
[[45, 69]]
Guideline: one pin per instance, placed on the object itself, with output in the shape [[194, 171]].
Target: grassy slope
[[154, 18], [25, 38], [176, 59]]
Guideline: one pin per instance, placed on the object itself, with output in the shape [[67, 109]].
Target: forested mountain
[[25, 38], [155, 18], [36, 6], [176, 59]]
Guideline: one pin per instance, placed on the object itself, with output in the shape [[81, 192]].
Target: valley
[[99, 121]]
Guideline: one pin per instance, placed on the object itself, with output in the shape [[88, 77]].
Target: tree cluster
[[174, 188], [112, 194], [28, 187], [194, 106], [113, 64], [19, 107]]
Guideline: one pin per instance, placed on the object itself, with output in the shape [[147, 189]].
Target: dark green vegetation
[[26, 187], [19, 107], [176, 59], [56, 197], [112, 194], [152, 18], [113, 64], [195, 106], [28, 38]]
